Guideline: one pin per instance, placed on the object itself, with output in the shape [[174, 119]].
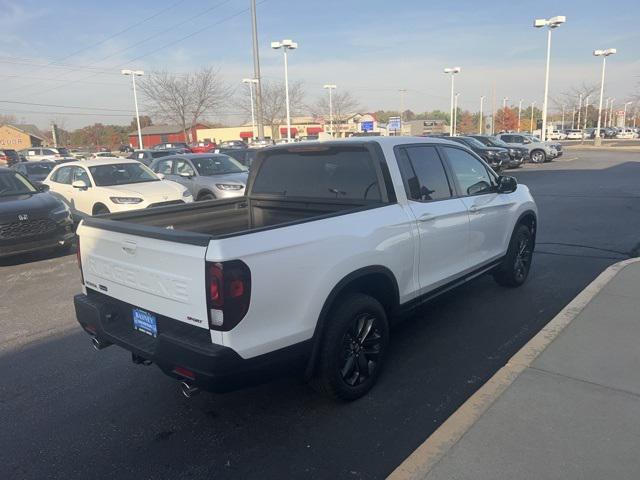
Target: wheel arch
[[375, 280], [204, 191], [530, 219], [98, 205]]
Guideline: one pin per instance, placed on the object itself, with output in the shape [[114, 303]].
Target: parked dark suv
[[497, 157], [517, 155]]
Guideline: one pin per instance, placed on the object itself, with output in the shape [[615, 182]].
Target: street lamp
[[573, 118], [579, 110], [330, 88], [451, 71], [531, 124], [455, 114], [624, 115], [562, 117], [481, 119], [611, 112], [134, 74], [551, 23], [519, 110], [286, 45], [606, 112], [604, 54], [251, 82]]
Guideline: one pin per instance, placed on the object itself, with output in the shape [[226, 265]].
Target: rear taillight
[[79, 258], [228, 293]]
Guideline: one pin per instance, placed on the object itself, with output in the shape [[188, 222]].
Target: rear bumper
[[215, 367]]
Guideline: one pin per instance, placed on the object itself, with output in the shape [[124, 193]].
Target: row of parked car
[[590, 133]]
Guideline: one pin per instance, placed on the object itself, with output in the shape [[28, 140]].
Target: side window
[[80, 173], [423, 173], [63, 175], [517, 139], [507, 138], [164, 167], [46, 151], [183, 166], [470, 173]]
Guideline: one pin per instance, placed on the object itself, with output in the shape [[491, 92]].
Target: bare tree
[[274, 109], [8, 118], [184, 99], [343, 105]]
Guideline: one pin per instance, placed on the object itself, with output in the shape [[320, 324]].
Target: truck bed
[[197, 223]]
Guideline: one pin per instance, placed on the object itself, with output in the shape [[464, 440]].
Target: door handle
[[425, 217]]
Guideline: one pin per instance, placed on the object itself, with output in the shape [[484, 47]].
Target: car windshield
[[121, 174], [217, 165], [496, 142], [474, 142], [38, 168], [12, 183], [63, 151]]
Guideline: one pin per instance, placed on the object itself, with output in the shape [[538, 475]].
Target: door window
[[164, 167], [423, 174], [184, 167], [46, 151], [471, 175], [80, 173], [63, 175]]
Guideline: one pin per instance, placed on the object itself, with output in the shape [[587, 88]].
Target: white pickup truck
[[333, 242]]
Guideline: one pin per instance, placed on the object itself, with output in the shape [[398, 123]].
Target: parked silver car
[[207, 176], [539, 152]]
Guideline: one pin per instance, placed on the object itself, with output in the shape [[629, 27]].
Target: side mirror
[[43, 187], [526, 140], [81, 184], [185, 175], [160, 175], [507, 184]]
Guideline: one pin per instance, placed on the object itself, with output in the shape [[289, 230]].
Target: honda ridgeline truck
[[332, 242]]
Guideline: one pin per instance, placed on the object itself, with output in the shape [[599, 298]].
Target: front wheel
[[206, 196], [353, 348], [538, 156], [515, 266]]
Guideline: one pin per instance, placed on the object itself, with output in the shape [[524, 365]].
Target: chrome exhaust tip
[[188, 390], [99, 344]]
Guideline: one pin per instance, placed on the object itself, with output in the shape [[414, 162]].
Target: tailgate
[[154, 274]]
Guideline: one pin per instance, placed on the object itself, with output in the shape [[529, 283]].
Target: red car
[[202, 147]]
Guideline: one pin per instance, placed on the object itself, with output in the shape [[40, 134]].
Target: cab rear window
[[347, 173]]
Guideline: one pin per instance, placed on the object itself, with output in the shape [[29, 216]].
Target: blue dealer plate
[[145, 322]]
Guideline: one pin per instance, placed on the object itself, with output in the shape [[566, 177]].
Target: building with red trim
[[156, 134]]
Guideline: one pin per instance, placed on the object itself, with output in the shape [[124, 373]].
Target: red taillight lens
[[229, 293]]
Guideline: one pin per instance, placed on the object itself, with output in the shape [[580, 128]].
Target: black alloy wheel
[[362, 344]]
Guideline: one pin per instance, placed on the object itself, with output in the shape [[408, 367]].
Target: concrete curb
[[427, 455]]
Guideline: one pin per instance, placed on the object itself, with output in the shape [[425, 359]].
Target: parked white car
[[574, 134], [333, 242], [52, 154], [557, 135], [99, 186], [626, 133]]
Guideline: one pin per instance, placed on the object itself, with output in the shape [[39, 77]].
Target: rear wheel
[[514, 269], [353, 348], [538, 156]]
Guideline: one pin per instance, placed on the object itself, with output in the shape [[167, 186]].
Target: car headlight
[[490, 153], [186, 193], [229, 186], [125, 200], [62, 210]]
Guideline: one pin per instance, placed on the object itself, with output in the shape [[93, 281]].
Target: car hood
[[240, 178], [150, 191], [36, 205]]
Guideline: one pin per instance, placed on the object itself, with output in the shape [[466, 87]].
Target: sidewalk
[[566, 406]]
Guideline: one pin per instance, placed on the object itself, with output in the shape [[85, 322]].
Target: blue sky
[[370, 48]]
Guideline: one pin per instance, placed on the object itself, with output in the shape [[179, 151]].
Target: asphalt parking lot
[[70, 412]]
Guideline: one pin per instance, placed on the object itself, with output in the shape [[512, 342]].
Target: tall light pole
[[402, 92], [586, 111], [330, 88], [251, 82], [519, 111], [624, 115], [452, 72], [606, 113], [455, 114], [134, 74], [562, 117], [481, 120], [533, 104], [286, 45], [604, 54], [579, 110], [256, 68], [551, 23], [573, 118], [504, 109]]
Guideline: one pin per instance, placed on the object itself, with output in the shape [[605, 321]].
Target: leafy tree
[[145, 121], [466, 123]]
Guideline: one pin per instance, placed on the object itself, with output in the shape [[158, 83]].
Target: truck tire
[[515, 266], [538, 156], [353, 347]]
